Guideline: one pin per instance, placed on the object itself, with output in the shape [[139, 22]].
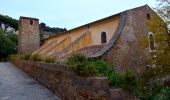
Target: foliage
[[156, 92], [130, 82], [43, 27], [8, 21], [95, 67], [13, 37], [36, 57], [8, 40], [156, 25], [76, 59], [163, 9], [46, 30], [25, 56], [88, 67], [7, 46], [49, 60], [13, 57], [163, 94], [81, 65]]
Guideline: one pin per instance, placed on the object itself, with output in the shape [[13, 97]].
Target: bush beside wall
[[62, 81]]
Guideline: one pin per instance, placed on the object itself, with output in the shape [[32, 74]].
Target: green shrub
[[25, 56], [76, 59], [81, 65], [107, 70], [49, 60], [90, 67], [131, 82], [13, 57], [160, 93], [86, 69], [36, 57], [102, 67], [115, 78]]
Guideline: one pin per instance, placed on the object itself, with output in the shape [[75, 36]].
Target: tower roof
[[22, 17]]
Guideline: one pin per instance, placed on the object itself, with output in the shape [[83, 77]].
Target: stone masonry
[[29, 39], [65, 83], [127, 52], [123, 50]]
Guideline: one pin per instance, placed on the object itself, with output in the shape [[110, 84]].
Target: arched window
[[151, 41], [103, 37]]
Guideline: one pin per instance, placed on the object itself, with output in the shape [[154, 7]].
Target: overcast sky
[[68, 13]]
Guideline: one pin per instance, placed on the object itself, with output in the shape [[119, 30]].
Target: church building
[[115, 39]]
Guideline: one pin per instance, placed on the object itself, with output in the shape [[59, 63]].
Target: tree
[[7, 46], [42, 25], [49, 31], [163, 9], [8, 21]]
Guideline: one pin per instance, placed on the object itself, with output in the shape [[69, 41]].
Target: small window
[[151, 42], [148, 16], [103, 37], [88, 26], [31, 22]]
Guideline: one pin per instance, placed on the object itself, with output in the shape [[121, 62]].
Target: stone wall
[[91, 50], [62, 81], [81, 42], [87, 51], [128, 52], [28, 35]]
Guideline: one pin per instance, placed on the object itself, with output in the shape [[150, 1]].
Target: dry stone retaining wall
[[62, 81]]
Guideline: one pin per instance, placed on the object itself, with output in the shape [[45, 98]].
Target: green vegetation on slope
[[50, 31], [91, 67], [8, 44], [37, 57], [9, 21]]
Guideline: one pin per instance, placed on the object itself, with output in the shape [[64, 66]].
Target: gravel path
[[16, 85]]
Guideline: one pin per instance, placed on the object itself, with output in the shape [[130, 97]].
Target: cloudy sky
[[68, 13]]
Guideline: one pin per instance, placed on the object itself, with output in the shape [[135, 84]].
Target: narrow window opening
[[88, 26], [103, 37], [31, 22], [148, 16], [151, 42]]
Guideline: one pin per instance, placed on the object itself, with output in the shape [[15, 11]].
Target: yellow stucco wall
[[44, 47], [107, 25], [83, 41], [60, 46], [49, 44]]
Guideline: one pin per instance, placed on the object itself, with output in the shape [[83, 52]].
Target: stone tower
[[28, 35]]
